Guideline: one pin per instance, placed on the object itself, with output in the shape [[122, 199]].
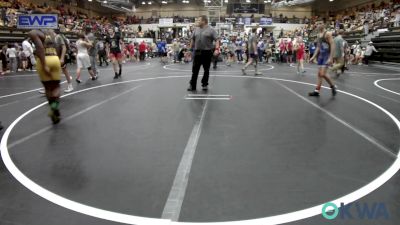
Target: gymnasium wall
[[192, 10], [95, 8], [338, 5]]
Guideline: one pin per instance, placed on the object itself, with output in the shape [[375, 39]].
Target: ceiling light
[[163, 2], [226, 1], [248, 1], [149, 3], [89, 0], [143, 3], [331, 0], [105, 1]]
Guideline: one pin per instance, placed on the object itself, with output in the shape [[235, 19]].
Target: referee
[[203, 45]]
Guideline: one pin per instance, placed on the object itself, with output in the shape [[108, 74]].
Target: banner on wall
[[245, 8], [265, 21], [37, 21], [166, 21], [247, 21]]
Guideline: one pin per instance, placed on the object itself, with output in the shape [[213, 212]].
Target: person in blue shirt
[[312, 49], [162, 51], [239, 50], [324, 55]]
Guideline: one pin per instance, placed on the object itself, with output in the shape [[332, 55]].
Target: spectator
[[397, 18], [239, 50], [23, 59], [175, 48], [142, 50], [92, 50], [12, 57], [4, 16], [3, 58], [260, 48], [368, 52], [366, 28], [28, 51]]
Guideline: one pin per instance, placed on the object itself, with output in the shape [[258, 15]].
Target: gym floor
[[142, 150]]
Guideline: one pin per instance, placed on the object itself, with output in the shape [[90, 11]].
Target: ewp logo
[[38, 21], [376, 211]]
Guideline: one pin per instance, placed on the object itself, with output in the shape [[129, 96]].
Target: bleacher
[[352, 36], [12, 35], [388, 46]]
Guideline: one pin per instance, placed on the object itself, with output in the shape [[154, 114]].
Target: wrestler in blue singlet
[[324, 51]]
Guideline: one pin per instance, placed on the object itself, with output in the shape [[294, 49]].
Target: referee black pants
[[201, 57]]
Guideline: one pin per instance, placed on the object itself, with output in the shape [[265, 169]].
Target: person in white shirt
[[397, 18], [28, 51], [359, 54], [368, 52], [366, 27], [12, 56], [83, 60]]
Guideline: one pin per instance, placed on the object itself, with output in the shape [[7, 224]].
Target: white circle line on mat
[[385, 89], [131, 219], [168, 67]]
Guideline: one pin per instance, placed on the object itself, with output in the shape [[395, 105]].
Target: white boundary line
[[25, 92], [17, 76], [129, 219], [37, 89], [358, 74], [205, 95], [173, 205], [388, 90], [342, 84], [206, 98], [344, 123], [22, 140], [167, 67], [71, 70]]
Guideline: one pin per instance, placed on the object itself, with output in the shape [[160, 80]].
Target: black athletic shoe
[[78, 81], [190, 88], [55, 116], [205, 88], [116, 76], [314, 94], [94, 78], [334, 92], [1, 126]]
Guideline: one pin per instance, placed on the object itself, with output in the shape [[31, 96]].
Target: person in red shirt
[[290, 51], [131, 49], [142, 50], [149, 51], [282, 50], [300, 50]]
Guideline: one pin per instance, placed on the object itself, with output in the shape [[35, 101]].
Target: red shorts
[[117, 56], [300, 56]]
